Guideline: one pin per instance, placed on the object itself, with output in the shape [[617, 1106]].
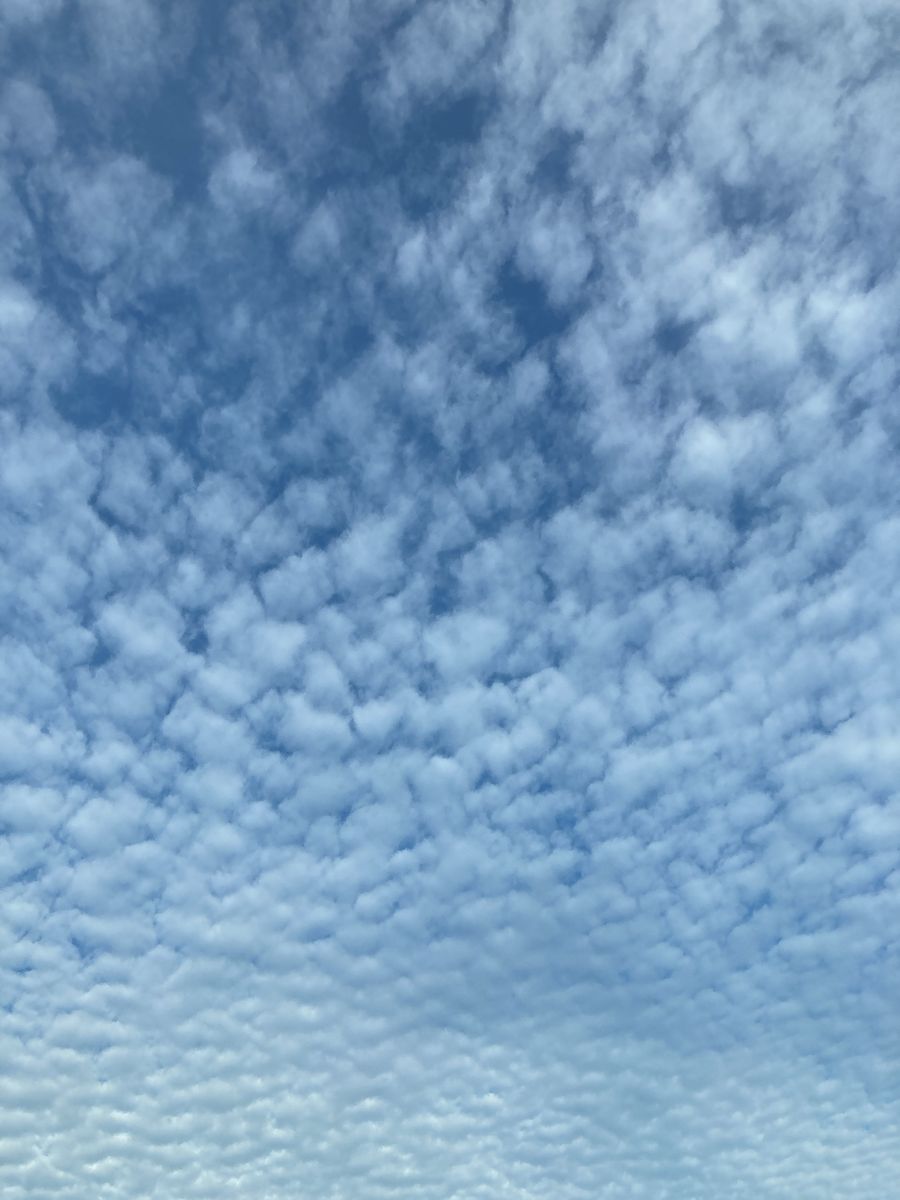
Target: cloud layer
[[449, 655]]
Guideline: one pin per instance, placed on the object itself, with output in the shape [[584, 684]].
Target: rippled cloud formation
[[449, 644]]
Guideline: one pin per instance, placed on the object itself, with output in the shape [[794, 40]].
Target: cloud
[[448, 658], [18, 12]]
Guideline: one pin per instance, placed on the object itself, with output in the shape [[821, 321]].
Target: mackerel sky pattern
[[449, 639]]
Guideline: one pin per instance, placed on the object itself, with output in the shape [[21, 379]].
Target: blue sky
[[448, 622]]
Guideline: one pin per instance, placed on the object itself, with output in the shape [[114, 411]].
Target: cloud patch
[[448, 666]]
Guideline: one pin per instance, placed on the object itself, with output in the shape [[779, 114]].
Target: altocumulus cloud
[[450, 656]]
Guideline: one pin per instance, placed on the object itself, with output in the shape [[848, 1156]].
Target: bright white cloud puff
[[449, 652]]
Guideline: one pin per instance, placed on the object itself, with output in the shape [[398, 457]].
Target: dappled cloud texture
[[449, 654]]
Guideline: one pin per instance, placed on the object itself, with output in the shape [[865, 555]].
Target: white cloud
[[241, 180], [447, 656], [27, 12]]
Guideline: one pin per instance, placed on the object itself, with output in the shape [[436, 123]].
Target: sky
[[449, 641]]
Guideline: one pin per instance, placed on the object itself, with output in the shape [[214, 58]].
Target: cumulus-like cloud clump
[[448, 633]]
